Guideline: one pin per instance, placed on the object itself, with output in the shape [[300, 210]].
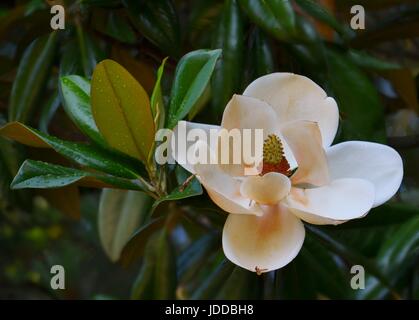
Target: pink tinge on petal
[[263, 243], [304, 139]]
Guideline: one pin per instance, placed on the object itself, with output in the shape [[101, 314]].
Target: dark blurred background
[[372, 73]]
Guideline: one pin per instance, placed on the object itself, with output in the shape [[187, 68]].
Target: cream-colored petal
[[233, 204], [377, 163], [267, 189], [243, 113], [183, 139], [296, 97], [304, 139], [337, 202], [223, 189], [266, 242]]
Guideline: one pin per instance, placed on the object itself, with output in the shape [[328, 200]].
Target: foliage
[[86, 102]]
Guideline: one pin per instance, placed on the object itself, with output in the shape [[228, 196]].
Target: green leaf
[[165, 272], [332, 276], [31, 77], [358, 100], [229, 70], [157, 277], [295, 280], [75, 91], [114, 24], [365, 60], [37, 174], [192, 75], [318, 12], [70, 60], [158, 22], [120, 213], [388, 214], [396, 255], [83, 154], [48, 112], [262, 53], [241, 284], [194, 257], [121, 109], [89, 51], [213, 282], [143, 286], [275, 17], [157, 103], [134, 248], [348, 254], [201, 103], [189, 187], [42, 175]]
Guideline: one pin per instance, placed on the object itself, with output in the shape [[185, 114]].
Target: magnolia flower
[[330, 185]]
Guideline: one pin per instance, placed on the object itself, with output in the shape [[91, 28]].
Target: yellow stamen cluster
[[273, 150]]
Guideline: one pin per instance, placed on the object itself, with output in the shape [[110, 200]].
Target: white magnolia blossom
[[331, 185]]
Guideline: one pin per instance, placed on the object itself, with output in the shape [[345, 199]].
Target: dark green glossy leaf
[[90, 52], [294, 281], [31, 77], [189, 187], [195, 256], [365, 60], [75, 91], [213, 282], [83, 154], [70, 61], [48, 112], [42, 175], [158, 22], [275, 17], [261, 57], [192, 75], [114, 24], [37, 174], [228, 73], [134, 249], [165, 272], [385, 215], [241, 284], [157, 277], [332, 276], [144, 283], [396, 255], [359, 103], [350, 254], [317, 11], [202, 21]]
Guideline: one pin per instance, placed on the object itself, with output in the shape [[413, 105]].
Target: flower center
[[273, 156]]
